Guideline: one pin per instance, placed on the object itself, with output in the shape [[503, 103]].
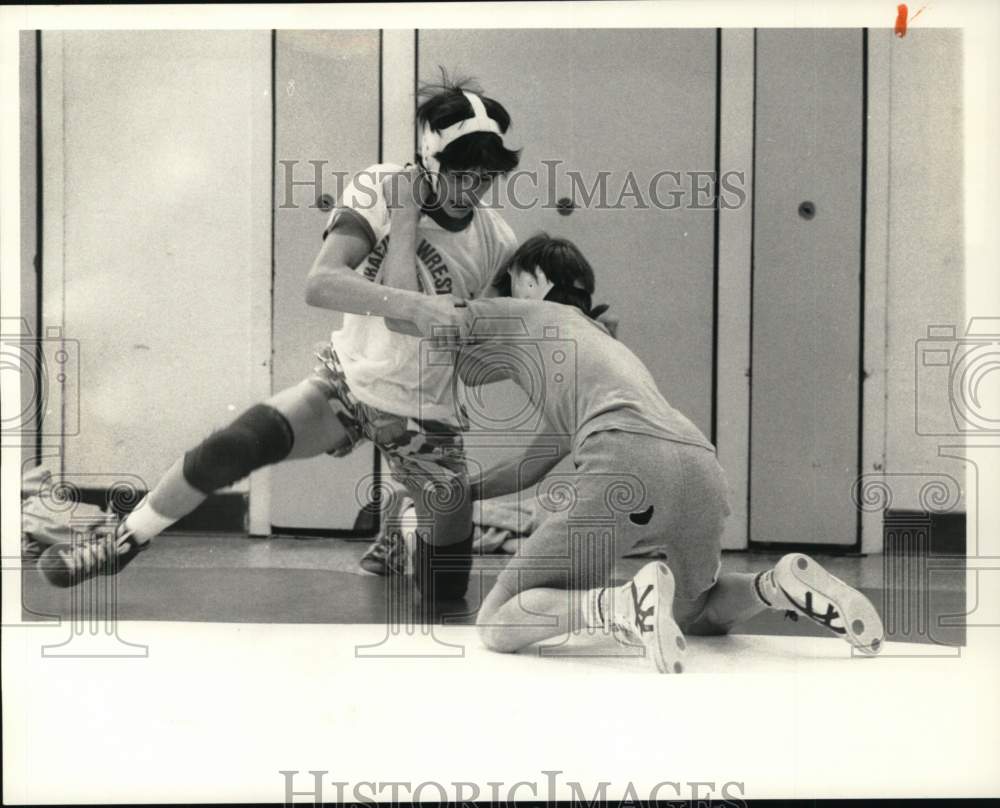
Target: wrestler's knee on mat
[[493, 636]]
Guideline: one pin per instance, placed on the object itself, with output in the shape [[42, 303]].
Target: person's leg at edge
[[295, 423]]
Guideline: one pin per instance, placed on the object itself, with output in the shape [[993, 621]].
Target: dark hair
[[562, 263], [444, 104]]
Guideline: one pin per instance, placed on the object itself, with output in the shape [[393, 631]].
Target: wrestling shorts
[[412, 447]]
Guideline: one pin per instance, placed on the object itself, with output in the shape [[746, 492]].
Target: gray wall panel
[[327, 108], [806, 294]]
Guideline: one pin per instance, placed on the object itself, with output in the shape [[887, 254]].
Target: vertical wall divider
[[398, 82], [876, 274], [261, 256], [734, 249], [53, 228], [32, 300]]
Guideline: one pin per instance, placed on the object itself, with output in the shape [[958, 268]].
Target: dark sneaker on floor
[[31, 548], [103, 552], [812, 591], [441, 573], [386, 555]]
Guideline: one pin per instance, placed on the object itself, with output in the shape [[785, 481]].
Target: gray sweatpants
[[629, 493]]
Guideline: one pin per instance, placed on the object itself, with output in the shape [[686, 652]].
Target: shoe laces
[[827, 618], [623, 623], [87, 554], [388, 544], [624, 633]]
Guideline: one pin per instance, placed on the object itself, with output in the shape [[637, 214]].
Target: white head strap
[[432, 143]]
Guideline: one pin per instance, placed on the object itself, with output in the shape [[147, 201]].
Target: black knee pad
[[442, 573], [259, 437]]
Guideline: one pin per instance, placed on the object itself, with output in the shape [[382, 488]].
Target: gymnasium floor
[[231, 578]]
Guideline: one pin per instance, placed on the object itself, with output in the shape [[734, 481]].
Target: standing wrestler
[[369, 384], [603, 407]]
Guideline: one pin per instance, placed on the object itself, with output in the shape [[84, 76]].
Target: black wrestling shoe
[[102, 552], [442, 572]]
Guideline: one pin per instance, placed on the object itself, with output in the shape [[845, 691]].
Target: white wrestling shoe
[[801, 585], [642, 613]]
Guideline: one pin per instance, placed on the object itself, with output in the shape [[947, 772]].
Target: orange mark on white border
[[901, 14]]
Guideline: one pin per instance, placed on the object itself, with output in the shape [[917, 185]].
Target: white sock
[[596, 608], [767, 592], [144, 522]]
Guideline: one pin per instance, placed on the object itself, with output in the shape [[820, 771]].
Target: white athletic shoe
[[825, 599], [642, 613]]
